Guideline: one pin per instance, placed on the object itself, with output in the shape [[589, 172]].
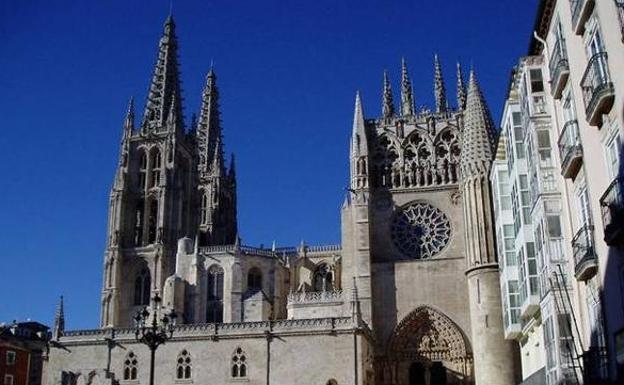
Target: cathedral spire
[[232, 169], [439, 88], [407, 97], [165, 85], [461, 89], [476, 152], [358, 136], [209, 124], [59, 320], [387, 108]]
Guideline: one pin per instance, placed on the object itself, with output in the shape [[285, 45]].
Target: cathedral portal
[[428, 348]]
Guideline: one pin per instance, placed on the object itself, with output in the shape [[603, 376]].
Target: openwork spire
[[209, 125], [461, 89], [438, 86], [164, 92], [407, 97], [387, 107], [232, 168], [477, 149], [59, 320]]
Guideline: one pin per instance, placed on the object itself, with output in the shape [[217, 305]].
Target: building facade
[[411, 296], [570, 155], [23, 346]]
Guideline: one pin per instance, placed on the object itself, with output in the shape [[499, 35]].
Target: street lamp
[[154, 333]]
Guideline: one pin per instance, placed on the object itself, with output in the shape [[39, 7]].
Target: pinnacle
[[439, 88], [477, 151], [407, 97], [387, 107]]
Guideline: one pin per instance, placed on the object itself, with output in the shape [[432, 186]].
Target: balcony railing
[[598, 92], [570, 149], [595, 365], [585, 259], [559, 68], [581, 9], [612, 207]]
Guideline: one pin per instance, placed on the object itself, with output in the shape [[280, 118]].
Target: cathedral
[[411, 296]]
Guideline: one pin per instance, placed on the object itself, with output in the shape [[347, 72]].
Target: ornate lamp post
[[152, 331]]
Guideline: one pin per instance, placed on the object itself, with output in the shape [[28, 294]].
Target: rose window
[[420, 230]]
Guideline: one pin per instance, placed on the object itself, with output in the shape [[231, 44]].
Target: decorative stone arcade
[[427, 348]]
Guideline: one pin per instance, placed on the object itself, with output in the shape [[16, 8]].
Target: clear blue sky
[[287, 72]]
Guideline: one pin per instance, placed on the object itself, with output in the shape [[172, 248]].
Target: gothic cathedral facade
[[410, 297]]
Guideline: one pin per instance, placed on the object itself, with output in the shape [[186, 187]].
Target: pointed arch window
[[130, 366], [156, 167], [153, 220], [142, 170], [138, 222], [142, 288], [214, 305], [239, 364], [204, 208], [323, 278], [183, 366], [254, 279]]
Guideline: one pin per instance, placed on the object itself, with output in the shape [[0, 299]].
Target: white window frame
[[11, 353], [9, 379], [613, 138]]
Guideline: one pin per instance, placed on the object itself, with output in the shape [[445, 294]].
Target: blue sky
[[287, 72]]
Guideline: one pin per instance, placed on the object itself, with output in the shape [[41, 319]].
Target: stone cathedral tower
[[170, 183], [417, 238]]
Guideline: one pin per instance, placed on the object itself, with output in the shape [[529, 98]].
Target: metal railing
[[584, 252], [612, 210], [596, 82], [569, 144]]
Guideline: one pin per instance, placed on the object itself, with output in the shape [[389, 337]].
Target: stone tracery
[[420, 230]]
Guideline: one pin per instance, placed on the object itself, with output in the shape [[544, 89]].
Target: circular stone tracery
[[420, 230]]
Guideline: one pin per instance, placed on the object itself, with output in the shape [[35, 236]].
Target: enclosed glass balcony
[[612, 208], [585, 259], [598, 92], [581, 10], [559, 68], [570, 149]]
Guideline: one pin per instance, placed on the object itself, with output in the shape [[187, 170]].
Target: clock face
[[420, 230]]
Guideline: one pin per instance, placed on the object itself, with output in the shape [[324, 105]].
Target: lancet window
[[142, 288], [239, 364], [204, 208], [142, 170], [156, 168], [323, 279], [214, 306], [130, 367], [138, 222], [183, 367], [153, 220]]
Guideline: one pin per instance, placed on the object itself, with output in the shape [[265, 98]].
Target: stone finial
[[129, 120], [165, 82], [461, 89], [59, 320], [387, 106], [438, 86], [407, 95], [477, 148]]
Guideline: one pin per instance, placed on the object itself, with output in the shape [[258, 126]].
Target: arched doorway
[[428, 348]]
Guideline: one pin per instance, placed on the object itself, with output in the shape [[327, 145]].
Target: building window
[[153, 220], [142, 170], [214, 307], [537, 82], [142, 288], [130, 367], [8, 379], [254, 279], [183, 369], [239, 364], [323, 278], [10, 358], [156, 165], [613, 148], [204, 208], [509, 243], [138, 223]]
